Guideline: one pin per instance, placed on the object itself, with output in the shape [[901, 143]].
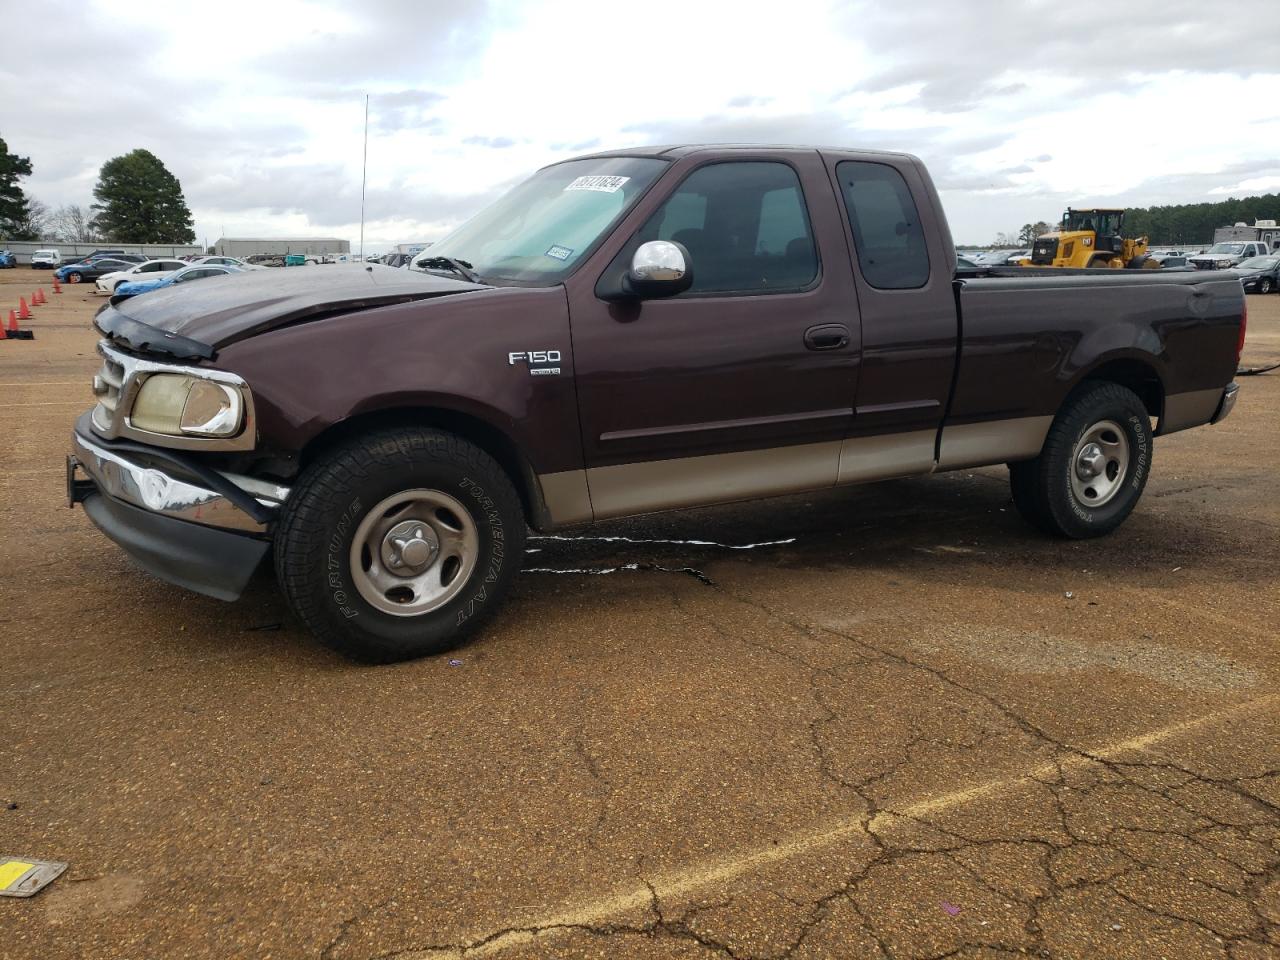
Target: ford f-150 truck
[[622, 333]]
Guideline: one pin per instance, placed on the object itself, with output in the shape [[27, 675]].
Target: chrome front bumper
[[216, 499]]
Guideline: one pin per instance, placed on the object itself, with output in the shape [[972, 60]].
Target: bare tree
[[35, 225], [73, 224]]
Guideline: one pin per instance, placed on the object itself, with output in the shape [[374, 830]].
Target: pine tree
[[15, 214], [140, 201]]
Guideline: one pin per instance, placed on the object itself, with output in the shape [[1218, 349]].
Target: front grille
[[107, 386], [1043, 252]]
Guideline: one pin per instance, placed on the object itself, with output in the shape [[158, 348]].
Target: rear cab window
[[888, 237]]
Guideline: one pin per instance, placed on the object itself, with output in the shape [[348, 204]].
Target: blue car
[[197, 272], [7, 260]]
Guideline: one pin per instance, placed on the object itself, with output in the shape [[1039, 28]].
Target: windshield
[[539, 231], [1233, 248], [1260, 263]]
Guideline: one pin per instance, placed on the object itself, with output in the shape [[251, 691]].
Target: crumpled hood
[[194, 319]]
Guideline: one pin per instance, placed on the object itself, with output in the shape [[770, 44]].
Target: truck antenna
[[364, 174]]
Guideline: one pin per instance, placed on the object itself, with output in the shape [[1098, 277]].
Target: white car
[[150, 270], [225, 262], [46, 258]]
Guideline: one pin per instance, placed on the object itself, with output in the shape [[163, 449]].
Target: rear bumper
[[1227, 404], [198, 530]]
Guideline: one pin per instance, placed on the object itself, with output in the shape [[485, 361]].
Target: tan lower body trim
[[566, 496], [575, 496], [995, 441], [1183, 410], [631, 488], [889, 455]]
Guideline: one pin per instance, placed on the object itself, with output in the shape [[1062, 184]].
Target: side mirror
[[659, 268]]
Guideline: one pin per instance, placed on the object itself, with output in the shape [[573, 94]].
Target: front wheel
[[74, 278], [1265, 285], [399, 544], [1093, 467]]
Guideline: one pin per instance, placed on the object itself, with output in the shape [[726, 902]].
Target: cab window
[[887, 234], [745, 226]]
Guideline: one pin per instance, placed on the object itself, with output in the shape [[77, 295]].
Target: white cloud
[[258, 108]]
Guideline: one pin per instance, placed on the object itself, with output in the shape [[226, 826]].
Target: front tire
[[1093, 467], [74, 278], [399, 544], [1265, 285]]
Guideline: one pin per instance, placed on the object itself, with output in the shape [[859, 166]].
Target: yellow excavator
[[1090, 238]]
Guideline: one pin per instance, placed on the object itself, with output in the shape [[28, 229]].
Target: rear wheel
[[399, 544], [1093, 467]]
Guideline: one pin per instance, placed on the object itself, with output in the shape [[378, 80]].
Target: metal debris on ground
[[25, 877]]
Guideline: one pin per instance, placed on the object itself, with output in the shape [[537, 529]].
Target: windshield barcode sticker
[[600, 184], [560, 253]]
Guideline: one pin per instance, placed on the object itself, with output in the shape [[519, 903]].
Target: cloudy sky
[[258, 108]]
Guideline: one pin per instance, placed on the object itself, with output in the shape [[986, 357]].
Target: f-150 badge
[[542, 363]]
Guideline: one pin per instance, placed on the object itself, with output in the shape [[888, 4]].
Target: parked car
[[540, 369], [47, 259], [1222, 256], [7, 260], [964, 263], [1170, 261], [90, 269], [148, 270], [194, 271], [227, 262], [1260, 274]]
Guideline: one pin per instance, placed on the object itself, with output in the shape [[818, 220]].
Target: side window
[[745, 226], [150, 268], [887, 234]]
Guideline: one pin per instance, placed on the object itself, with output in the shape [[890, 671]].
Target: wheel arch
[[485, 435], [1137, 373]]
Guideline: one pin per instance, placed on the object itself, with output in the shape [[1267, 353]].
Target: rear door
[[743, 386], [904, 274]]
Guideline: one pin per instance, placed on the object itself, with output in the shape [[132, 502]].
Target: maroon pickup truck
[[622, 333]]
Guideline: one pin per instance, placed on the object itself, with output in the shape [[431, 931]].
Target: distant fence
[[22, 249]]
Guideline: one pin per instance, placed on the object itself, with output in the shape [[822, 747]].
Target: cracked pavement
[[914, 729]]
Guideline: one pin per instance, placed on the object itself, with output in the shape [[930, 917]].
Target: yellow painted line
[[680, 883]]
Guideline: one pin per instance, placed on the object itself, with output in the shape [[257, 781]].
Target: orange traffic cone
[[57, 287], [37, 298], [24, 312], [13, 333], [13, 322]]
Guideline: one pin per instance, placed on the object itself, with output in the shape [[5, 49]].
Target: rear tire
[[340, 549], [1093, 467]]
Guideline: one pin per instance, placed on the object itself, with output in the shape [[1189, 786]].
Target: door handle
[[827, 336]]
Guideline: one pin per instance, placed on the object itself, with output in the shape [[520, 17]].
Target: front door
[[744, 385]]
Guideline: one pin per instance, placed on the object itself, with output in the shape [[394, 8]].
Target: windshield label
[[600, 184], [560, 253]]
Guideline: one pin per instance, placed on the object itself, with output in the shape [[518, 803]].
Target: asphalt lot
[[914, 729]]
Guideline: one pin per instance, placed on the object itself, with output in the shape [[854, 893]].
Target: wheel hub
[[1090, 462], [409, 547], [1100, 464]]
